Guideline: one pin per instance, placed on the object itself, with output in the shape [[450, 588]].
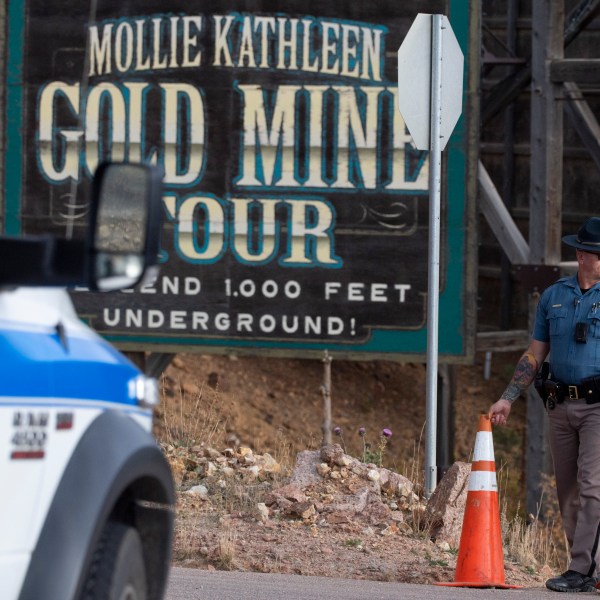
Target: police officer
[[567, 329]]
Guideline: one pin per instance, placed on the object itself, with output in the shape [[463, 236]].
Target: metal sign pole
[[433, 288], [429, 45]]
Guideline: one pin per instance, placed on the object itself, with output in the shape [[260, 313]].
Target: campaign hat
[[587, 237]]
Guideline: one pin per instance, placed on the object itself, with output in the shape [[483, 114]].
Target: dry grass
[[186, 544], [235, 496], [227, 548], [194, 418], [532, 542]]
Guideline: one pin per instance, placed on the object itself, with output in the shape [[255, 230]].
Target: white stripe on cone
[[483, 481], [484, 446]]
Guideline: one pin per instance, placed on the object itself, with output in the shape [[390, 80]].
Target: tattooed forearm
[[511, 393], [523, 377]]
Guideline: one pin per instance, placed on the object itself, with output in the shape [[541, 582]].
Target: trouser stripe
[[594, 550]]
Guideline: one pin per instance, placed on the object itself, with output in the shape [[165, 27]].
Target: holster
[[540, 382]]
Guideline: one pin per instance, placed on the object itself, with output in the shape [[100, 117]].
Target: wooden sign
[[295, 202]]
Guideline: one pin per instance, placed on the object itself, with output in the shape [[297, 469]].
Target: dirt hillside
[[215, 407], [267, 404]]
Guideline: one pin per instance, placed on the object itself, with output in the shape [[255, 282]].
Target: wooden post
[[538, 459], [445, 432], [545, 191], [545, 202], [326, 392]]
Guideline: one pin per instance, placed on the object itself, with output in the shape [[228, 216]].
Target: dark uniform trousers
[[575, 446]]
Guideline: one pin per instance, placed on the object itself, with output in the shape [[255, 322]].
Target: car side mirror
[[125, 224]]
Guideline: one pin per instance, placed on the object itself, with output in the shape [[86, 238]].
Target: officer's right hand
[[499, 412]]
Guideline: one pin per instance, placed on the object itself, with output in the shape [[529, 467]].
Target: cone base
[[480, 584]]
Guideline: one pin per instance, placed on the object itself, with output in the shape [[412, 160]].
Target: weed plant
[[370, 454]]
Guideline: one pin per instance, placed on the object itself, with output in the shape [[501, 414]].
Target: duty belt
[[588, 390]]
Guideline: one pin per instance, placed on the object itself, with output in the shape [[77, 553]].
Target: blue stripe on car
[[37, 364]]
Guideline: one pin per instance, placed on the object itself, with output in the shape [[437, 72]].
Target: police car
[[86, 496]]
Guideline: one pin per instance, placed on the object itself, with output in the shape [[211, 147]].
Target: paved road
[[198, 584]]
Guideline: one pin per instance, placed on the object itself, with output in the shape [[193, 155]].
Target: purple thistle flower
[[362, 431], [337, 430], [387, 433]]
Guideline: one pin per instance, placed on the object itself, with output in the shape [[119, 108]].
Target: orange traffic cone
[[480, 560]]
